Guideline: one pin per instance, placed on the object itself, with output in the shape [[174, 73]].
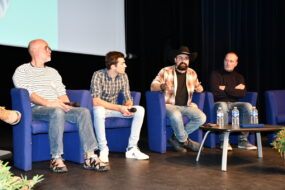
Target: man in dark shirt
[[179, 82], [228, 86]]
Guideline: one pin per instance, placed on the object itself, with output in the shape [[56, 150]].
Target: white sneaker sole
[[248, 148], [133, 157]]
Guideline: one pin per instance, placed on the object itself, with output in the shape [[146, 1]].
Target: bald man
[[48, 101], [228, 86]]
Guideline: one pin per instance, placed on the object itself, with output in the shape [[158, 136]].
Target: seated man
[[106, 84], [178, 82], [49, 103], [227, 86]]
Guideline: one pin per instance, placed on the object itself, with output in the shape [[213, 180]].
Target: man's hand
[[222, 87], [199, 88], [59, 104], [125, 112], [164, 86], [240, 87]]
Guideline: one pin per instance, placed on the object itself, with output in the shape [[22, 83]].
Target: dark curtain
[[155, 27], [253, 29]]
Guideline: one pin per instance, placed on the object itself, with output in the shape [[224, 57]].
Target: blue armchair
[[158, 126], [209, 110], [118, 129], [30, 137], [275, 109]]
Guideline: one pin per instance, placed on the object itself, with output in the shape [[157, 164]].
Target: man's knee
[[245, 107], [83, 112], [223, 105], [203, 117], [175, 114], [57, 113], [140, 110], [99, 111]]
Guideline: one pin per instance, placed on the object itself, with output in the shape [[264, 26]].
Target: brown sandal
[[94, 163], [10, 116], [54, 166]]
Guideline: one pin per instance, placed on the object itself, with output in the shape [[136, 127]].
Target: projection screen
[[87, 26]]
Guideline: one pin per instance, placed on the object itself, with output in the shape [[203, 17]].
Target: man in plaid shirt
[[106, 84], [178, 82]]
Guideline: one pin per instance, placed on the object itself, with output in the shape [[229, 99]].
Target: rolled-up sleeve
[[126, 88], [95, 88], [159, 79]]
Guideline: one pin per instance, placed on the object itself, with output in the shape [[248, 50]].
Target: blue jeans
[[175, 114], [57, 117], [100, 114], [244, 112]]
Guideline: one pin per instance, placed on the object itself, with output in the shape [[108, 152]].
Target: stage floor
[[172, 171]]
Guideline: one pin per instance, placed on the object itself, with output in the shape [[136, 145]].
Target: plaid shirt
[[167, 76], [107, 89]]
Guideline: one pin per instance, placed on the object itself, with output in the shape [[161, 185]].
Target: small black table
[[229, 129]]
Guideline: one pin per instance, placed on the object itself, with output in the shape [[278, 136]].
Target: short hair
[[112, 57], [231, 53], [31, 44]]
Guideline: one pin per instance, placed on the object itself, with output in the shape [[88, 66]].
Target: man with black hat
[[178, 82]]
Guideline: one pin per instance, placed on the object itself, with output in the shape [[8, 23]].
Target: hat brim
[[192, 56]]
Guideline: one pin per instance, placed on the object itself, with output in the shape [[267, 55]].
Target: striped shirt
[[45, 82], [167, 75], [108, 89]]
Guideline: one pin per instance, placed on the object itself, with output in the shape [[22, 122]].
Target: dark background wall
[[253, 29]]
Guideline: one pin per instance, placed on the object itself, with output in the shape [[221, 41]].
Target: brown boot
[[10, 116], [189, 144], [178, 146]]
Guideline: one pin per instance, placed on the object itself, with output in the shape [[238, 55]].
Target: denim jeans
[[57, 117], [100, 114], [244, 112], [193, 113]]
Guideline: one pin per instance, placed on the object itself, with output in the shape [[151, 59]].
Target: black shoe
[[178, 146], [189, 144]]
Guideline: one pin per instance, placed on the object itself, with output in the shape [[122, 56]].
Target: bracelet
[[162, 87]]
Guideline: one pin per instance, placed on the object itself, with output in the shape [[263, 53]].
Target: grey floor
[[172, 171]]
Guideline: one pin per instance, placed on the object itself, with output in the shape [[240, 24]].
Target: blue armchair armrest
[[29, 146], [156, 119], [275, 112]]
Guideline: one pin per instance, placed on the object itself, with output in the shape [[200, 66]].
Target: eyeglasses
[[180, 58], [47, 48]]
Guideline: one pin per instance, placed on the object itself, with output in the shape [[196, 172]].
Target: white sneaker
[[246, 145], [135, 153], [104, 155], [229, 146]]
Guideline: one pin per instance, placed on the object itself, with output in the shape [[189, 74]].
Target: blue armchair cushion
[[280, 118]]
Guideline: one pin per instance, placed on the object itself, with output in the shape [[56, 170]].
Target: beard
[[182, 66]]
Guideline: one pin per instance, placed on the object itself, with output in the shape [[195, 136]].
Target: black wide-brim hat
[[182, 50]]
